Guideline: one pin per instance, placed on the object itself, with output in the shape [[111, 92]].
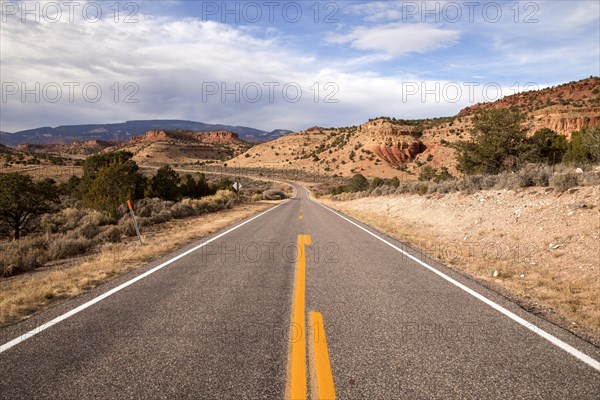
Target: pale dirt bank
[[536, 245]]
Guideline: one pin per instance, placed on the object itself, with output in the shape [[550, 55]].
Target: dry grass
[[23, 295], [551, 271]]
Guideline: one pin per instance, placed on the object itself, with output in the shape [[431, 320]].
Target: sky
[[279, 64]]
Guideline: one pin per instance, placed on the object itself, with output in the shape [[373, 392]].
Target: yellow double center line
[[322, 386]]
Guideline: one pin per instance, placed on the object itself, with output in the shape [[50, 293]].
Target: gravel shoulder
[[536, 246]]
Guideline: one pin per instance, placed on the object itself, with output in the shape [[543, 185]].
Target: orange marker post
[[135, 224]]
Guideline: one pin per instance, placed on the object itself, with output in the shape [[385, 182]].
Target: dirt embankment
[[535, 245]]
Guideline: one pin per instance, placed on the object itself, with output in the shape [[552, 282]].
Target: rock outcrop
[[399, 153], [76, 148], [384, 128], [188, 136]]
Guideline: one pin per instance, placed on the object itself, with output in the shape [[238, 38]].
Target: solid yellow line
[[322, 386], [296, 387]]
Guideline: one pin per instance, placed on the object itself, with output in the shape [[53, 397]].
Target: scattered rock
[[577, 205], [496, 274], [579, 171]]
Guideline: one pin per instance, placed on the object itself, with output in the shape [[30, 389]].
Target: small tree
[[358, 183], [204, 189], [546, 146], [427, 173], [22, 199], [188, 186], [498, 136], [113, 186], [165, 184], [376, 182], [584, 146], [591, 139], [93, 164]]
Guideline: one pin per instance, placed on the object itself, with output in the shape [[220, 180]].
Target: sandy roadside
[[535, 245]]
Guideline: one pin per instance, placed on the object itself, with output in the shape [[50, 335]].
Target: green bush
[[112, 187], [498, 139], [584, 146], [165, 184], [545, 146], [358, 183]]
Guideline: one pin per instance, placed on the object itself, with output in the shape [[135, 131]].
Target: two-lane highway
[[231, 318]]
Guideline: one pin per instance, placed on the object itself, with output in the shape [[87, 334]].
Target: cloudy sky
[[277, 64]]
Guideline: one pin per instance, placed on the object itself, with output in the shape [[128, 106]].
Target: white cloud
[[396, 39], [170, 59]]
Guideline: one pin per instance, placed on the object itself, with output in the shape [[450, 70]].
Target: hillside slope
[[387, 147], [182, 146]]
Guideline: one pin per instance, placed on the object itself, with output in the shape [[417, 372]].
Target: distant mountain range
[[126, 130]]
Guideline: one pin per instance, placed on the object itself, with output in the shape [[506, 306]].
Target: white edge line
[[552, 339], [95, 300]]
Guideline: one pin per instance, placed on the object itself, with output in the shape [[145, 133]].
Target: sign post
[[237, 186], [135, 224]]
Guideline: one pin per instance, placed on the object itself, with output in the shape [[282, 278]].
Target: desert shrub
[[222, 197], [562, 182], [182, 210], [72, 218], [63, 247], [534, 175], [471, 183], [23, 255], [52, 223], [111, 235], [422, 189], [273, 194], [89, 229], [161, 217], [256, 197], [150, 206], [404, 187], [199, 206], [590, 179], [126, 226], [447, 186]]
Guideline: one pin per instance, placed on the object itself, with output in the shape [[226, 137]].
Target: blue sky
[[277, 68]]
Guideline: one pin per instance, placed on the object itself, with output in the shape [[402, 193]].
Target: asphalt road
[[215, 324]]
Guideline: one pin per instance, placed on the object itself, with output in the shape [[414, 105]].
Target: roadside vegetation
[[42, 222]]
